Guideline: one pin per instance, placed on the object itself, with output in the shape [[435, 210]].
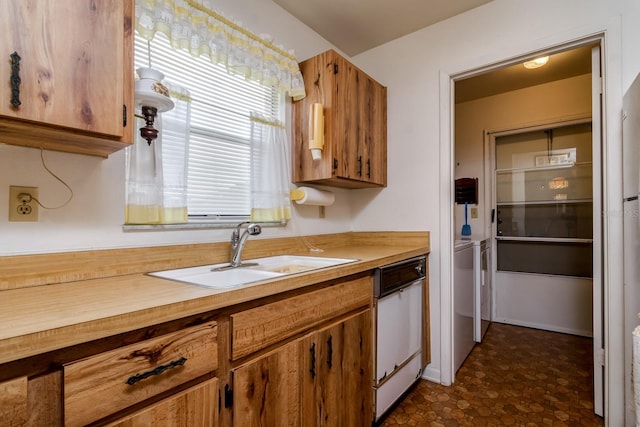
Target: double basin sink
[[222, 276]]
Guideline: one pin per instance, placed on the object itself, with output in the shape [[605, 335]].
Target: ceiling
[[561, 65], [354, 26]]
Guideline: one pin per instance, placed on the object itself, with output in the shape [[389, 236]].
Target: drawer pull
[[157, 371], [15, 79]]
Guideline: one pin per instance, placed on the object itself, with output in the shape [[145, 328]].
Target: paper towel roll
[[312, 196]]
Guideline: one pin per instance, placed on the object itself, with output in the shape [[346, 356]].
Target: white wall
[[94, 218], [416, 69]]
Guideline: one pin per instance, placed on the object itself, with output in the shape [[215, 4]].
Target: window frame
[[213, 220]]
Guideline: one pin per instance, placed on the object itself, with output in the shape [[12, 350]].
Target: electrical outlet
[[22, 204], [474, 212]]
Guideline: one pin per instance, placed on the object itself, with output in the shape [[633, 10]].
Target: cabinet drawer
[[259, 327], [108, 382], [194, 407]]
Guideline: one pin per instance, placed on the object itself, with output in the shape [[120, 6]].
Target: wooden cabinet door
[[266, 392], [318, 73], [357, 371], [360, 133], [194, 407], [72, 61], [337, 379], [321, 382], [13, 402], [344, 130], [373, 145]]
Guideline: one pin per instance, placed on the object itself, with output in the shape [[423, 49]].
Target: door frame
[[613, 300], [595, 119]]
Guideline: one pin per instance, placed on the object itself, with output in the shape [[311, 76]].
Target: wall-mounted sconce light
[[153, 98]]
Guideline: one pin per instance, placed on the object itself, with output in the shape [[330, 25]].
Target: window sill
[[198, 224]]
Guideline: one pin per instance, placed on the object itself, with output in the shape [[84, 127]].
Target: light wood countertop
[[38, 319]]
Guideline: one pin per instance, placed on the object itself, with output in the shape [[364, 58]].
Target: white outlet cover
[[15, 204]]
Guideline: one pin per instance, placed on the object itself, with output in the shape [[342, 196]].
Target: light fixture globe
[[153, 98], [536, 63], [149, 90]]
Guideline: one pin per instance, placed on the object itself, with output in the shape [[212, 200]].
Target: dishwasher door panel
[[399, 328], [389, 392]]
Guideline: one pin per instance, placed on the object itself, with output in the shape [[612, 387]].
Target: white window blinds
[[219, 146]]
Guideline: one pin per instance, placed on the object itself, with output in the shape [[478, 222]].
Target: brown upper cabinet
[[75, 71], [355, 125]]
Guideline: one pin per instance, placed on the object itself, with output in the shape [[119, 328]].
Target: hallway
[[517, 376]]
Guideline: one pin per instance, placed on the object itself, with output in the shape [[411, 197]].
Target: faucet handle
[[254, 229]]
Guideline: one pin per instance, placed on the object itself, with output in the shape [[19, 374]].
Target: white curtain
[[156, 173], [194, 26], [270, 199]]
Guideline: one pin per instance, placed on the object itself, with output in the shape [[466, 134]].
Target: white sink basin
[[204, 276], [291, 264], [216, 276]]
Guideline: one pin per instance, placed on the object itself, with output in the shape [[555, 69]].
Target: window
[[219, 169]]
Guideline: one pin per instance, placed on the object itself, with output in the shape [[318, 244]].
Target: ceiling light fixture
[[536, 63]]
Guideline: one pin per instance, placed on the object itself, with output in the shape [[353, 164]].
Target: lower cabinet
[[194, 407], [321, 379], [302, 359]]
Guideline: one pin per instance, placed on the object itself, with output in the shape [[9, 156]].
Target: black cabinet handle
[[369, 168], [15, 80], [359, 165], [312, 350], [330, 352], [156, 371], [228, 396]]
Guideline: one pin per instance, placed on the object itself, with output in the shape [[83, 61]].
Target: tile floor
[[517, 376]]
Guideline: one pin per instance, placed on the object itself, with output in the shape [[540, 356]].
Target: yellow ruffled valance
[[194, 26]]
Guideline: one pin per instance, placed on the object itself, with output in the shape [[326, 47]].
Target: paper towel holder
[[312, 196]]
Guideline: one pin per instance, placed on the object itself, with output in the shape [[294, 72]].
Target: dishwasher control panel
[[392, 277]]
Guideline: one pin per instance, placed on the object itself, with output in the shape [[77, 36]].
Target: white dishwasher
[[397, 330]]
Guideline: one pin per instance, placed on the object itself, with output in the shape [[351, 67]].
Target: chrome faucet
[[238, 241]]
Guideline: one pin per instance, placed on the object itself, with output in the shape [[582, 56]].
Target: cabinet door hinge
[[124, 116], [228, 396], [335, 68]]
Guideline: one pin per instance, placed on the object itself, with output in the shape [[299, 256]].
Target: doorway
[[485, 112]]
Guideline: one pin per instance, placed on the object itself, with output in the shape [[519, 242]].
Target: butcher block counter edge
[[42, 318]]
